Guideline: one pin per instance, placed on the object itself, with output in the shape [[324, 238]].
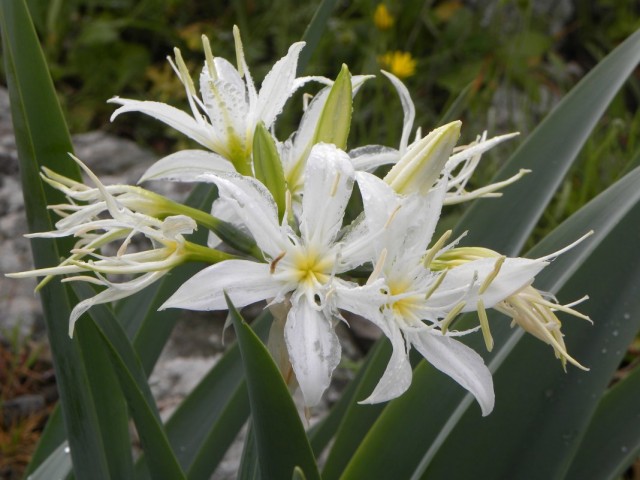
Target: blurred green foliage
[[501, 64]]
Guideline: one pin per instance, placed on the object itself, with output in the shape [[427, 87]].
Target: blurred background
[[497, 65]]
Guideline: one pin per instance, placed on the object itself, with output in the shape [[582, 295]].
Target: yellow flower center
[[311, 266]]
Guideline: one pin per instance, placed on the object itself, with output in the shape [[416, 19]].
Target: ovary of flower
[[225, 115], [525, 305], [401, 64], [301, 267]]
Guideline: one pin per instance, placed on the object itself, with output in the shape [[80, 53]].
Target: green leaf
[[268, 166], [335, 120], [205, 424], [542, 411], [612, 441], [280, 437], [549, 152], [314, 31], [57, 465], [132, 378], [43, 140]]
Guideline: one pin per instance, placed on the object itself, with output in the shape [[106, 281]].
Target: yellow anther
[[431, 253], [484, 325], [491, 277], [453, 313]]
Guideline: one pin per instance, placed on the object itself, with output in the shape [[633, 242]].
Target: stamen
[[378, 268], [391, 217], [491, 277], [435, 285], [553, 255], [274, 262], [208, 55], [484, 325], [453, 313], [431, 253], [239, 50], [334, 187]]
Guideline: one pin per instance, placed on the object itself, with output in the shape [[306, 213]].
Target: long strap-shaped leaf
[[542, 411], [162, 463], [280, 437], [504, 225], [43, 140], [612, 441]]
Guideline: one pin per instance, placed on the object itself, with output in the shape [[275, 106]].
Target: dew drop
[[614, 333], [67, 450], [626, 316], [604, 350]]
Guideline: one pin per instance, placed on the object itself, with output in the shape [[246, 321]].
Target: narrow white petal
[[187, 166], [313, 347], [255, 207], [370, 157], [244, 281], [172, 116], [458, 361], [397, 376], [223, 209], [328, 183], [477, 149], [407, 107], [277, 86], [115, 291], [463, 283]]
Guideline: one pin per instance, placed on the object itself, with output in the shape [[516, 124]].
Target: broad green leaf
[[335, 120], [357, 418], [133, 382], [612, 440], [43, 140], [56, 465], [280, 438], [505, 224], [417, 441], [268, 166], [314, 32], [205, 424], [541, 411]]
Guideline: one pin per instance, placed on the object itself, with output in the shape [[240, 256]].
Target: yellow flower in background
[[382, 18], [401, 64]]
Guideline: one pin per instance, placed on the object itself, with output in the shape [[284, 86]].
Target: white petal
[[458, 361], [458, 284], [255, 207], [313, 347], [172, 116], [227, 108], [370, 157], [277, 86], [397, 376], [407, 107], [187, 166], [115, 291], [222, 209], [244, 281], [327, 188]]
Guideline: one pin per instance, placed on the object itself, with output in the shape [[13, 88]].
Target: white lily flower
[[404, 226], [225, 115], [85, 222], [300, 270], [458, 168]]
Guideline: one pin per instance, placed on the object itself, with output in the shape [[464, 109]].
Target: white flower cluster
[[282, 206]]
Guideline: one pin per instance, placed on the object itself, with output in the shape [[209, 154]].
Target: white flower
[[300, 268], [421, 302], [94, 232], [224, 117]]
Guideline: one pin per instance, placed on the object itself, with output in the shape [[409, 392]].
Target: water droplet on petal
[[67, 450]]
